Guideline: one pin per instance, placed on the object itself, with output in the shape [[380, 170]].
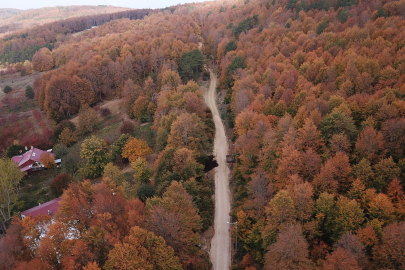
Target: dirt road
[[220, 244]]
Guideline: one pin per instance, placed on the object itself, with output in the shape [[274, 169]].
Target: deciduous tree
[[142, 250], [135, 148], [341, 259], [94, 152], [389, 253], [142, 172], [261, 190], [42, 60], [48, 160], [370, 145], [385, 171], [290, 251], [280, 211], [189, 131], [175, 218], [334, 174], [60, 183], [350, 242], [113, 173], [10, 177], [347, 217], [88, 119]]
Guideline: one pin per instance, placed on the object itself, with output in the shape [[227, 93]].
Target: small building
[[29, 161], [49, 208]]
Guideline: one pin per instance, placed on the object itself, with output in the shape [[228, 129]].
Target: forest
[[12, 20], [314, 106], [24, 43]]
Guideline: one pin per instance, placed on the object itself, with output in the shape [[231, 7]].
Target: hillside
[[19, 20], [8, 12], [311, 94]]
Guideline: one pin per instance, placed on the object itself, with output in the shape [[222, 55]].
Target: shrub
[[7, 89], [68, 137], [37, 115], [87, 119], [71, 163], [61, 126], [105, 112], [59, 183], [60, 151], [127, 127]]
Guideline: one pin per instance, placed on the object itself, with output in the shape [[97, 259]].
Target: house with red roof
[[29, 161], [49, 208]]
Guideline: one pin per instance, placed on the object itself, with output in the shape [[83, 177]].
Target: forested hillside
[[8, 12], [317, 104], [14, 19], [314, 105], [168, 202], [22, 45]]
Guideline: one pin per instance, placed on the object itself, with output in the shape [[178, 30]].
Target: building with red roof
[[29, 161], [48, 208]]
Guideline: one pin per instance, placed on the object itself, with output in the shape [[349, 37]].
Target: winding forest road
[[220, 243]]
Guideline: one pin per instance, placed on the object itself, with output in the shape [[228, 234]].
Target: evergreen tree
[[7, 89], [191, 64], [29, 92]]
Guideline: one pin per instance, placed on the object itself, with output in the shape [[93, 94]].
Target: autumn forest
[[312, 97]]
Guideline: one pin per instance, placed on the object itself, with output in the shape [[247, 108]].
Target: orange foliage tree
[[48, 160], [135, 148]]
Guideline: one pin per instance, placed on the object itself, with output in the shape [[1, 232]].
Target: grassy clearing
[[35, 189]]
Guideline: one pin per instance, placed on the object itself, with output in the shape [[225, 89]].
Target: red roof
[[31, 155], [43, 209]]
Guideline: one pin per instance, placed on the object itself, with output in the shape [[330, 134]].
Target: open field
[[17, 82]]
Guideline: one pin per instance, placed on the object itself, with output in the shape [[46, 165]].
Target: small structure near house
[[229, 159], [29, 161], [48, 208]]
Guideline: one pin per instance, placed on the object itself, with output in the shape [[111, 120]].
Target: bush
[[59, 183], [60, 151], [61, 126], [119, 145], [87, 119], [127, 128], [29, 92], [105, 112], [68, 137], [7, 89], [70, 164], [37, 115]]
